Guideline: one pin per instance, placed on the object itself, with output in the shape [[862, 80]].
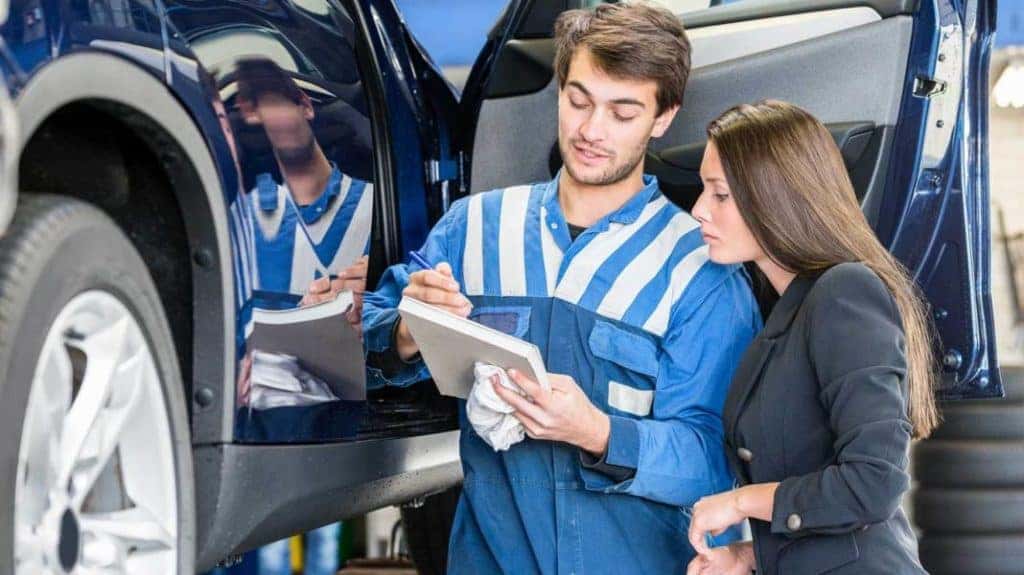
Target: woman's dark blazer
[[819, 403]]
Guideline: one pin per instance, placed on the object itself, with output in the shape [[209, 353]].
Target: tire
[[965, 463], [427, 529], [59, 254], [976, 511], [990, 419], [962, 554], [1013, 381]]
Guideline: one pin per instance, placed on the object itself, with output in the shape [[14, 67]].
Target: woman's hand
[[714, 514], [735, 559]]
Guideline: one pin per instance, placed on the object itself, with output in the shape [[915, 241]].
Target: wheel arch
[[142, 106]]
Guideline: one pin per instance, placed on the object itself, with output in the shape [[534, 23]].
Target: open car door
[[902, 85]]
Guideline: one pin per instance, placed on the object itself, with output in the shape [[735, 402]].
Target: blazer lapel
[[748, 373]]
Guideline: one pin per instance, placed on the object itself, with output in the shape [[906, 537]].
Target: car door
[[901, 84]]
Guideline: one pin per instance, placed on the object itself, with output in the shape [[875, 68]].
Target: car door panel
[[826, 74]]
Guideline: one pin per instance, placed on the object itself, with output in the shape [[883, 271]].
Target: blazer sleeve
[[856, 346]]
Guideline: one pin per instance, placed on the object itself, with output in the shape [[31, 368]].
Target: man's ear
[[248, 112], [307, 107], [663, 121]]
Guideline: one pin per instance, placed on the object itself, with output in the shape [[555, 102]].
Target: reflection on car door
[[296, 123]]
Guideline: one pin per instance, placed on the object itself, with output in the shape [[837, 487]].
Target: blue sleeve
[[679, 452], [380, 313]]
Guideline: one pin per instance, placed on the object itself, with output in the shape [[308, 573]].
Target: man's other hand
[[563, 413]]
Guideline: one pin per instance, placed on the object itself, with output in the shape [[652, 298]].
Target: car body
[[133, 107]]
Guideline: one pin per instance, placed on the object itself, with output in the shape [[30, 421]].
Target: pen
[[420, 260]]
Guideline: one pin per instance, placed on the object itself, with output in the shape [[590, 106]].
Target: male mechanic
[[611, 281]]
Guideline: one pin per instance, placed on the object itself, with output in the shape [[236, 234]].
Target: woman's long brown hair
[[792, 189]]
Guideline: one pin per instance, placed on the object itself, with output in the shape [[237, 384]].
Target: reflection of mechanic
[[318, 222]]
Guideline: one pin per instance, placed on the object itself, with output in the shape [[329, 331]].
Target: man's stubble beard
[[613, 175], [298, 157]]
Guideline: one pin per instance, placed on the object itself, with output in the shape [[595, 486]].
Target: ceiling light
[[1009, 89]]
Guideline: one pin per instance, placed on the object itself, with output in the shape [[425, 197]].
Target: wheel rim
[[96, 490]]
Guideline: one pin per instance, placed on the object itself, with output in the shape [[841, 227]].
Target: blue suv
[[170, 170]]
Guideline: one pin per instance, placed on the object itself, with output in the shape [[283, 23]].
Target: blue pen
[[420, 260]]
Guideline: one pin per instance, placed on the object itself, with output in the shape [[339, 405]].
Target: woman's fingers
[[696, 566], [697, 533]]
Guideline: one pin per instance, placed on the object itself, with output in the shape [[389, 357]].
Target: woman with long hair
[[823, 406]]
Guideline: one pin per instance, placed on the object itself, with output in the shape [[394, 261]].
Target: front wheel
[[96, 460]]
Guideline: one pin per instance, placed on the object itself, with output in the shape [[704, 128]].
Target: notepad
[[451, 345], [320, 336]]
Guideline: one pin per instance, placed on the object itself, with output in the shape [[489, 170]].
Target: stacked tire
[[969, 501]]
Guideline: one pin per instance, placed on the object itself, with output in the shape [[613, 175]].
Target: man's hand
[[735, 559], [243, 385], [564, 413], [352, 278], [436, 287]]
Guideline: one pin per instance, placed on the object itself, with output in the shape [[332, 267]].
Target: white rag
[[278, 380], [491, 415]]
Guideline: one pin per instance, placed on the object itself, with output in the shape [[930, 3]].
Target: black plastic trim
[[524, 66], [250, 495], [540, 21]]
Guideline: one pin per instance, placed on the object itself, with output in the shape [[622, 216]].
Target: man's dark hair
[[635, 40], [258, 77]]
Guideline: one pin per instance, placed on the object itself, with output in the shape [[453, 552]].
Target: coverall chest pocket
[[625, 369], [513, 320]]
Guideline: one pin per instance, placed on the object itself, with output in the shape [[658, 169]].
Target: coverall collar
[[627, 214]]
